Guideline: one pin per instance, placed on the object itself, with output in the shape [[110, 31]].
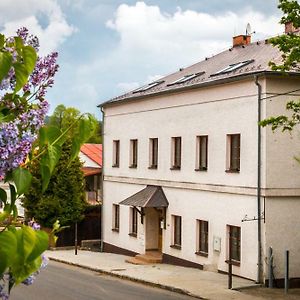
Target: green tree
[[63, 117], [289, 45], [64, 199]]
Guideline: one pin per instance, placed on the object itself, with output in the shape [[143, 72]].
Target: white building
[[183, 154]]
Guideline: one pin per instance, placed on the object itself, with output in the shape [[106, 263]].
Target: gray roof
[[151, 196], [259, 54]]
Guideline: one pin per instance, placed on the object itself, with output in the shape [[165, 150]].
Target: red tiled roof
[[93, 151]]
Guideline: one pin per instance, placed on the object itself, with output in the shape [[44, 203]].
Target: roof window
[[186, 78], [148, 86], [233, 67]]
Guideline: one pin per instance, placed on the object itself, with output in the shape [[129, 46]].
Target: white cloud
[[127, 86], [43, 18], [147, 34]]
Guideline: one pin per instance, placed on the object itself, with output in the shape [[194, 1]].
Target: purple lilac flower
[[30, 279], [4, 287], [17, 136], [34, 225]]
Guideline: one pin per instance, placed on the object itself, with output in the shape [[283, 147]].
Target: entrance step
[[150, 257]]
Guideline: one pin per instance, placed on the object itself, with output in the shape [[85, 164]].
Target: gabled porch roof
[[150, 196]]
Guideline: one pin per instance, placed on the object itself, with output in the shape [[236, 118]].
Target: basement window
[[233, 67], [186, 78], [147, 87]]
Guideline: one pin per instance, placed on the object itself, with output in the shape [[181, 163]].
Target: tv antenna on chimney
[[248, 29]]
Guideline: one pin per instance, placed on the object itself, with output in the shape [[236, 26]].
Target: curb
[[126, 277]]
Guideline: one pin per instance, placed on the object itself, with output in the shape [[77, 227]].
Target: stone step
[[150, 257], [135, 261]]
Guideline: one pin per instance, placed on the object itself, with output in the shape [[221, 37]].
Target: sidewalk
[[190, 281]]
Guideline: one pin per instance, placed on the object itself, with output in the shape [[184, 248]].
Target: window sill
[[200, 253], [132, 234], [115, 229], [152, 168], [115, 166], [175, 247], [234, 262], [133, 166], [175, 168], [201, 169], [232, 171]]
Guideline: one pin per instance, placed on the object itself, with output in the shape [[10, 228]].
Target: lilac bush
[[18, 135]]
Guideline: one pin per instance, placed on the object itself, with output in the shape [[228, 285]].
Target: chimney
[[289, 28], [241, 40]]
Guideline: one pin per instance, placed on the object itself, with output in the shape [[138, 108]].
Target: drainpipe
[[102, 178], [259, 242]]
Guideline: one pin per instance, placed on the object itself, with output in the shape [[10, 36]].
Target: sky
[[108, 47]]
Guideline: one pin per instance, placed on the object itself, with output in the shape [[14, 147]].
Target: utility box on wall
[[217, 243]]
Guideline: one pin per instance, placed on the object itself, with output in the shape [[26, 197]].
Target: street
[[63, 282]]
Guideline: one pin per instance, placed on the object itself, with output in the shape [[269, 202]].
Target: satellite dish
[[248, 29]]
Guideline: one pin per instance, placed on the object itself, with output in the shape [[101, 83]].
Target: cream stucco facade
[[221, 198]]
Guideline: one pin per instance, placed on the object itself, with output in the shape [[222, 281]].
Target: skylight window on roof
[[186, 78], [233, 67], [148, 86]]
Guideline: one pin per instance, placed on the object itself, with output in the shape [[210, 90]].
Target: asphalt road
[[63, 282]]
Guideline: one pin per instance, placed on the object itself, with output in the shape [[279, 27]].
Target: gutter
[[102, 178], [259, 241]]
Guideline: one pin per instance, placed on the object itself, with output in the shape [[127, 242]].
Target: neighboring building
[[91, 156], [181, 168]]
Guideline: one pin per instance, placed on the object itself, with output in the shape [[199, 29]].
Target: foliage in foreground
[[24, 80], [289, 45], [64, 198]]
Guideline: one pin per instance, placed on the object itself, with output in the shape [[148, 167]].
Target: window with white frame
[[153, 153], [202, 238], [233, 152], [202, 153], [116, 153], [176, 153], [133, 222], [177, 238], [133, 153], [116, 217], [234, 249]]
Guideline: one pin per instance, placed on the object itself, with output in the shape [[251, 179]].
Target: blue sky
[[107, 47]]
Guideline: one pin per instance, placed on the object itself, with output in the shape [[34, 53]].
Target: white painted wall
[[283, 232], [87, 162], [219, 197]]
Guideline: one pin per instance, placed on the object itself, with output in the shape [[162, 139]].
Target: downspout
[[102, 178], [259, 241]]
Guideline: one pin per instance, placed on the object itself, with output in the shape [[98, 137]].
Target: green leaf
[[46, 175], [30, 245], [26, 240], [22, 178], [75, 149], [41, 245], [48, 134], [21, 75], [86, 127], [15, 211], [19, 44], [8, 249], [13, 194], [5, 64], [2, 41], [3, 195], [4, 215], [53, 154], [29, 57]]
